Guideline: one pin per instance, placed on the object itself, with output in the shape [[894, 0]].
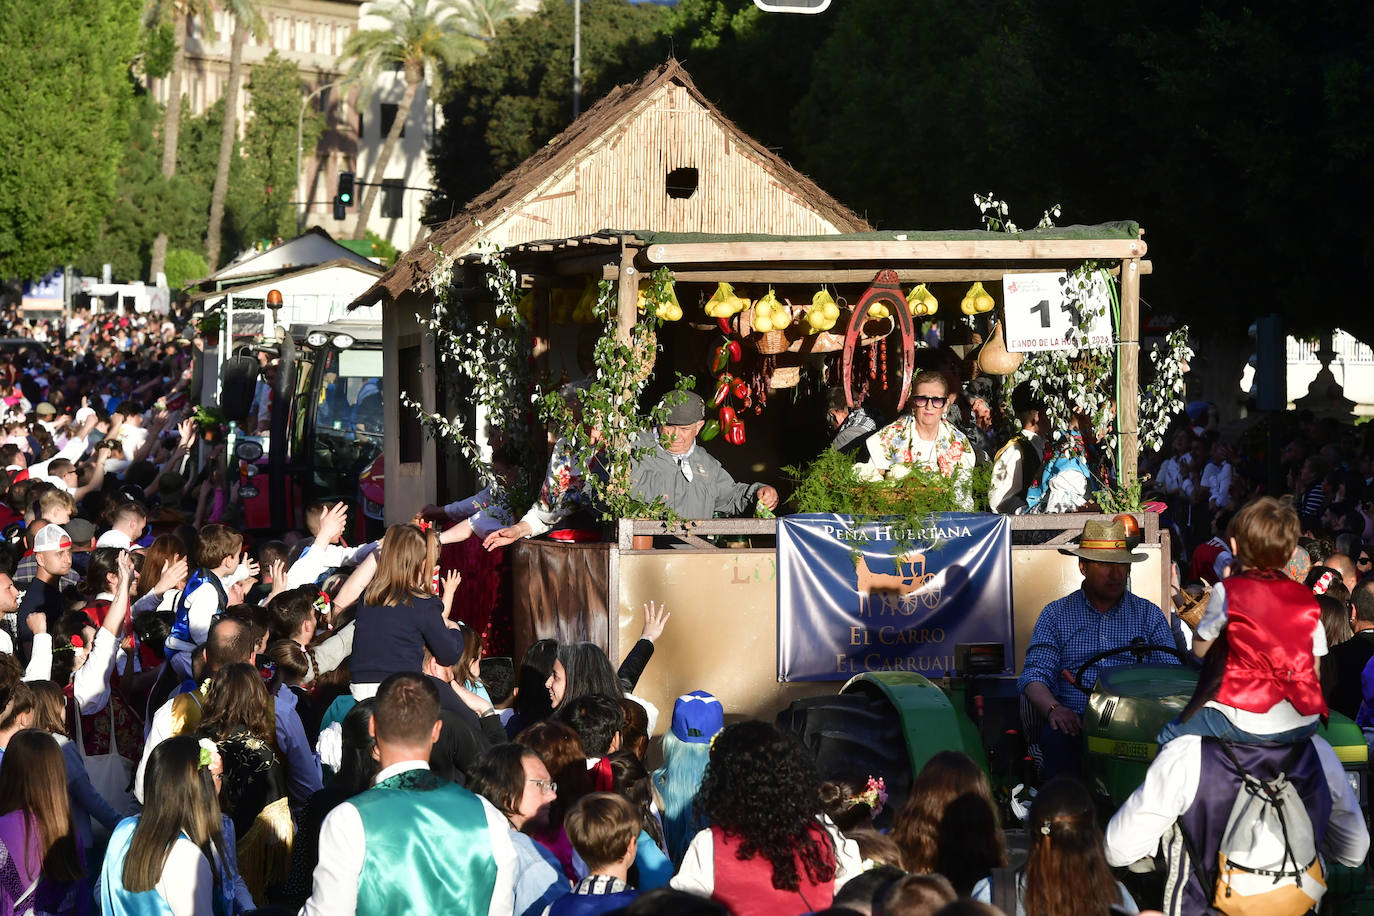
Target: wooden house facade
[[655, 156]]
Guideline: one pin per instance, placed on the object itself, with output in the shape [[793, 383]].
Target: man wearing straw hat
[[1103, 614]]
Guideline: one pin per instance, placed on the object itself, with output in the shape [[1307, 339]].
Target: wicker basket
[[785, 377], [771, 342]]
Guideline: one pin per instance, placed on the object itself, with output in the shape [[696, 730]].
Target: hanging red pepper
[[725, 327], [736, 352], [710, 430], [720, 359], [722, 391], [727, 419], [735, 434], [740, 388]]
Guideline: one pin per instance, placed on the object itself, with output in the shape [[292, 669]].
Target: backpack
[[1267, 860]]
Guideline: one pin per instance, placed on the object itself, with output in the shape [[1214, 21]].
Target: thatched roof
[[458, 235]]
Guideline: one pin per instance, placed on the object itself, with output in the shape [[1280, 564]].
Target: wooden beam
[[864, 275], [1128, 372], [627, 294], [964, 250]]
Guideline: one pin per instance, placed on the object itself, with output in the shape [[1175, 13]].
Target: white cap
[[114, 538]]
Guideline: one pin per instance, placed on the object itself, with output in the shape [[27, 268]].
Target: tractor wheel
[[853, 736]]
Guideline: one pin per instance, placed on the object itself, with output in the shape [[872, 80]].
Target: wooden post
[[1128, 371], [627, 288]]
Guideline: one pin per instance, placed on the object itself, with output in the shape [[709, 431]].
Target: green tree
[[62, 127], [269, 147], [247, 19], [422, 38], [179, 17], [509, 102]]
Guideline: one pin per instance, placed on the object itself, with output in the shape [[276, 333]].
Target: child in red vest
[[1261, 635]]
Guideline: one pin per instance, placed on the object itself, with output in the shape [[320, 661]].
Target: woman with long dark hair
[[514, 779], [169, 858], [356, 768], [238, 717], [532, 702], [50, 715], [948, 824], [1066, 873], [41, 861], [767, 849], [629, 778]]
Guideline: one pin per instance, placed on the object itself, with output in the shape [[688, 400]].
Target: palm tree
[[246, 19], [421, 38], [181, 15]]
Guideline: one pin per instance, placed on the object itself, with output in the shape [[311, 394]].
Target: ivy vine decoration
[[486, 361], [1162, 400], [1078, 380], [607, 429]]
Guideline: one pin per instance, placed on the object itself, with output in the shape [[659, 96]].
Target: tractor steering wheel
[[1138, 647]]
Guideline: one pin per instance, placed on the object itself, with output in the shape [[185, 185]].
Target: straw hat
[[1104, 542]]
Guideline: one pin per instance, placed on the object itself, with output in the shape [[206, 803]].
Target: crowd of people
[[195, 722]]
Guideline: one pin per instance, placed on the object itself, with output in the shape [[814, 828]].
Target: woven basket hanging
[[771, 342]]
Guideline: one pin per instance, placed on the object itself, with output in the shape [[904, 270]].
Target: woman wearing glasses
[[514, 779], [922, 439]]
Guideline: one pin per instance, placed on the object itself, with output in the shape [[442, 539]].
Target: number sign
[[1039, 315]]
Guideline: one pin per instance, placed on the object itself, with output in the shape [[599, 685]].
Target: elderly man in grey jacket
[[689, 481]]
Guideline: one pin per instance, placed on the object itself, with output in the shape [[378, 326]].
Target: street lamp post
[[300, 123]]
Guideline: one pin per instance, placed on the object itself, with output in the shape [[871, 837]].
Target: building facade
[[312, 34]]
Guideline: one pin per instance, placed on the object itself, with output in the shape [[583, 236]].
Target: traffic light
[[343, 197]]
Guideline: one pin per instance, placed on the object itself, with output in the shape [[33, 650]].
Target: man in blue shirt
[[1101, 615]]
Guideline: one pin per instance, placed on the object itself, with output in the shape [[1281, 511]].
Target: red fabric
[[95, 727], [1269, 624], [7, 515], [746, 887], [483, 600], [95, 612], [1204, 562]]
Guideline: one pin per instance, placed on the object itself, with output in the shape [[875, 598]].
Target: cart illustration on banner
[[903, 592]]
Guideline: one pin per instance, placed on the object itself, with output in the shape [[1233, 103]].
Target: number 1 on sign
[[1043, 307]]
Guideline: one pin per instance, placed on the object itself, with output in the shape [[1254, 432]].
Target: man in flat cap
[[691, 483]]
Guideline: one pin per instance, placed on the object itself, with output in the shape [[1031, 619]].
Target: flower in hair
[[1323, 583], [322, 603], [209, 753], [874, 795], [1045, 828]]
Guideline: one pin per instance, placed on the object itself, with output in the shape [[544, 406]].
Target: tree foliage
[[506, 104], [1235, 134], [275, 90], [63, 120]]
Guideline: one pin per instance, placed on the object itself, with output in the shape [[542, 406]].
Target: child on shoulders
[[1260, 684]]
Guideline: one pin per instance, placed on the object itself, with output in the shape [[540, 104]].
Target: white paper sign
[[1039, 317]]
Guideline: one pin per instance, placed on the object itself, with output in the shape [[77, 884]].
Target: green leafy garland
[[608, 424], [490, 360]]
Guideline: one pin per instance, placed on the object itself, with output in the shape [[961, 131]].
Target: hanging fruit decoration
[[822, 314], [976, 300], [668, 311], [922, 301], [770, 314]]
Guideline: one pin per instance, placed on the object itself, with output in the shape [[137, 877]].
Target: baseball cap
[[697, 716], [52, 537]]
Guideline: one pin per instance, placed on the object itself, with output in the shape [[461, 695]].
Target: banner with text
[[883, 597]]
